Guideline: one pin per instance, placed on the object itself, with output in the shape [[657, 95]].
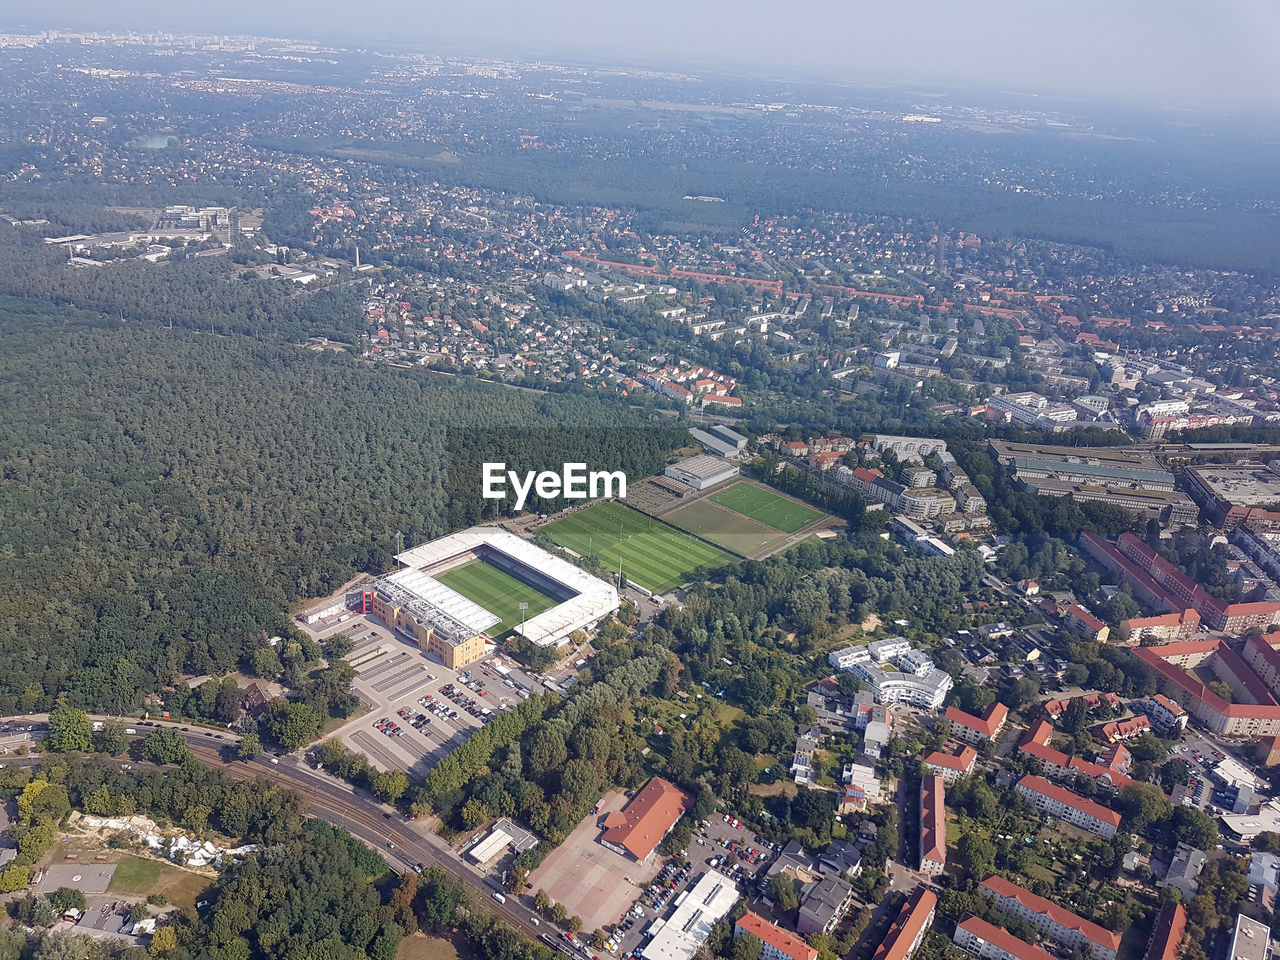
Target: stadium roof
[[452, 617], [593, 598]]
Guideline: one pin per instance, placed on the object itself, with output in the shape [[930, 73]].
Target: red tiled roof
[[1166, 933], [916, 912], [1003, 939], [1054, 792], [1059, 915], [987, 724], [643, 822], [953, 761], [933, 820], [776, 937]]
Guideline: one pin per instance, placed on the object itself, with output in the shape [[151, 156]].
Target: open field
[[140, 876], [499, 593], [720, 525], [655, 555], [421, 947], [765, 506]]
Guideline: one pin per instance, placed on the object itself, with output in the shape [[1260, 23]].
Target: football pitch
[[655, 555], [765, 506], [499, 593]]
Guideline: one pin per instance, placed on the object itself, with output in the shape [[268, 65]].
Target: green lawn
[[724, 527], [655, 555], [499, 593], [767, 507], [140, 876]]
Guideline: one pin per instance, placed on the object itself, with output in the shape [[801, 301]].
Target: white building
[[845, 658], [882, 650], [1069, 807], [892, 686], [680, 935]]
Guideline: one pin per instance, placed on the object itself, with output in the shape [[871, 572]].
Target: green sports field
[[767, 507], [654, 555], [725, 527], [499, 593]]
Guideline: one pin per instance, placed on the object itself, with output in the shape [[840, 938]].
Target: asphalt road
[[337, 803]]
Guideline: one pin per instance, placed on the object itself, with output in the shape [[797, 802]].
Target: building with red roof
[[638, 828], [1167, 932], [1053, 921], [952, 766], [994, 943], [933, 825], [978, 729], [909, 928], [775, 943], [1083, 623], [1114, 731], [1068, 806], [1172, 663]]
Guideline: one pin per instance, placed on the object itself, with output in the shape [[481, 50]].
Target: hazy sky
[[1200, 52]]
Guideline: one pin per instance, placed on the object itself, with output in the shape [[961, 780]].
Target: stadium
[[452, 593]]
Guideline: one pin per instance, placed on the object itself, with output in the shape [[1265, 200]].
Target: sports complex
[[653, 554], [458, 592]]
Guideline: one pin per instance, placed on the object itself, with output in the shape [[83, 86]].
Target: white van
[[500, 898]]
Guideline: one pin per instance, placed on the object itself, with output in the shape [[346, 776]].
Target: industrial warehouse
[[444, 622]]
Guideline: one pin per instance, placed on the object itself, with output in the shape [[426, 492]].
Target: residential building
[[775, 943], [951, 766], [1167, 932], [983, 729], [990, 942], [1067, 806], [933, 825], [1114, 731], [1051, 920], [846, 657], [1184, 871], [823, 906], [908, 930]]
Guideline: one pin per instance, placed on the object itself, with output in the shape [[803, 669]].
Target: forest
[[167, 494], [309, 890]]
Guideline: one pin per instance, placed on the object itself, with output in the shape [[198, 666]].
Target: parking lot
[[419, 710], [592, 881]]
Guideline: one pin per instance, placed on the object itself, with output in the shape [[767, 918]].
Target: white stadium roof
[[454, 617], [593, 599]]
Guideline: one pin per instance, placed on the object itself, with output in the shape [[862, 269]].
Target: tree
[[69, 729], [165, 746], [14, 879], [575, 925], [250, 747], [111, 738], [976, 854], [291, 724], [164, 941], [782, 891], [559, 915], [390, 785], [541, 901], [1144, 804]]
